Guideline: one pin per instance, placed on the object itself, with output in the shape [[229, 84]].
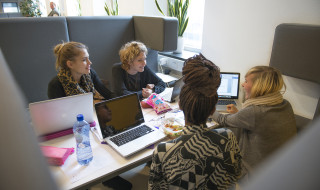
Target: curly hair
[[129, 52], [67, 52], [266, 80], [198, 96]]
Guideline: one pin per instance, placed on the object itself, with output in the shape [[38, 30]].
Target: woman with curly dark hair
[[201, 158]]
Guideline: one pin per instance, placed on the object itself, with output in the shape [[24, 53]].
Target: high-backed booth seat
[[27, 44], [295, 52]]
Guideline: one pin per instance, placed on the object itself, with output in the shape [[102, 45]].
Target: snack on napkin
[[173, 130], [173, 124], [158, 104], [56, 156]]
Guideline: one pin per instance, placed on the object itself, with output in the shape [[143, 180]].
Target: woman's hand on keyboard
[[231, 108]]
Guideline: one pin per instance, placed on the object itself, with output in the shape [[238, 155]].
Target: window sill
[[181, 56]]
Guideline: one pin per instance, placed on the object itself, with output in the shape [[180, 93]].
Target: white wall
[[98, 7], [238, 35], [150, 7], [86, 7], [131, 7], [126, 7]]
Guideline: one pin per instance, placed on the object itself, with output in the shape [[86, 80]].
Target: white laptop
[[122, 118], [228, 92], [60, 114], [171, 94]]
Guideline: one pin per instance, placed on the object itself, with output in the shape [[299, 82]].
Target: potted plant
[[30, 8], [113, 10], [178, 9], [79, 8]]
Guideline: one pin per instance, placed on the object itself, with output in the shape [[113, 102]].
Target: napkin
[[56, 156]]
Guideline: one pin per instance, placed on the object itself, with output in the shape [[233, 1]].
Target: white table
[[106, 162]]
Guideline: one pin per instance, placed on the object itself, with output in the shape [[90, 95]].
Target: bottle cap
[[79, 117]]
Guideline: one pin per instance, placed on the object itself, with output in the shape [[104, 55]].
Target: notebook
[[120, 119], [51, 116], [228, 92], [170, 94]]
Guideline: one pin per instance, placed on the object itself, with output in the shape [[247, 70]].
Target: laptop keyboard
[[130, 135], [226, 102]]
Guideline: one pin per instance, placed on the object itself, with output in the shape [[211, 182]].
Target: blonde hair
[[266, 80], [198, 96], [67, 52], [129, 52]]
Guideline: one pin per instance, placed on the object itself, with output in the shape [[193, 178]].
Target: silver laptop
[[123, 127], [171, 94], [228, 92], [60, 114]]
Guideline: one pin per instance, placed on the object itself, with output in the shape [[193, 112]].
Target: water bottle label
[[81, 145]]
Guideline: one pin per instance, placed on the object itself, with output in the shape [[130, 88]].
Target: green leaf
[[106, 8], [30, 8], [117, 8], [183, 28], [160, 10], [170, 8], [178, 9], [113, 10]]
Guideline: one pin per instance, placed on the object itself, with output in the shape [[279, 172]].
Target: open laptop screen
[[54, 115], [119, 114], [229, 87]]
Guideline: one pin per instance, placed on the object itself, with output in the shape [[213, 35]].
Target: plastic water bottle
[[81, 133]]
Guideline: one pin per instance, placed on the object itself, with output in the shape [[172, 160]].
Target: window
[[193, 33], [10, 7], [43, 9], [73, 8]]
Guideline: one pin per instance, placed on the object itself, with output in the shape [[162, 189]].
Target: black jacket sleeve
[[119, 83], [151, 78], [55, 89]]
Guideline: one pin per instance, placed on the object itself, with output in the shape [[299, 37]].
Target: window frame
[[3, 9], [188, 47]]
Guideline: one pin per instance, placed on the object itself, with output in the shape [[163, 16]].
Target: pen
[[95, 132]]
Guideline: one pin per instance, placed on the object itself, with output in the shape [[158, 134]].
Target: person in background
[[75, 75], [266, 120], [54, 11], [133, 74], [201, 158]]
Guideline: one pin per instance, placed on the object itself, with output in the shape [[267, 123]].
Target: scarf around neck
[[269, 100], [71, 87]]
